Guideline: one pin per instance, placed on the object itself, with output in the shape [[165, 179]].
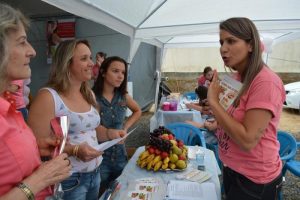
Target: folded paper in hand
[[59, 127], [105, 145]]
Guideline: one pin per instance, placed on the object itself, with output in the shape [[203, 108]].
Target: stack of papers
[[185, 190], [195, 176]]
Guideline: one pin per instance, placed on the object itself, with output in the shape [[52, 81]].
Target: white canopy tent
[[190, 23]]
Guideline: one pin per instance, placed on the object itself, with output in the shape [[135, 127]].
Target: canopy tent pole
[[134, 45], [158, 76]]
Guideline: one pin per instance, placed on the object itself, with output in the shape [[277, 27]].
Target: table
[[162, 118], [182, 114], [132, 172]]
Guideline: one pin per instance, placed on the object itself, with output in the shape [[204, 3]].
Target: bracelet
[[107, 134], [29, 194], [75, 150]]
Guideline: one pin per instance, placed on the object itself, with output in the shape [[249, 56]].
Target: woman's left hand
[[116, 133], [87, 153]]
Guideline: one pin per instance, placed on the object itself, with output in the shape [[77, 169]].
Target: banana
[[149, 165], [143, 163], [157, 165], [166, 160], [172, 166], [150, 158], [156, 159], [144, 155], [165, 166]]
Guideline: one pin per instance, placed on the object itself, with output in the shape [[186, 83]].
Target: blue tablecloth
[[132, 172]]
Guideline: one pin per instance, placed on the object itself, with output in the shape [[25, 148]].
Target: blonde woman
[[68, 93]]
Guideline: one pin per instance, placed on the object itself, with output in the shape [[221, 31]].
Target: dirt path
[[290, 121]]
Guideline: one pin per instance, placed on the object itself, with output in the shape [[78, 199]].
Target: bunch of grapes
[[160, 130], [166, 145], [159, 143]]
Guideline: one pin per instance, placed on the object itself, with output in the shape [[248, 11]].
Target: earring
[[69, 75]]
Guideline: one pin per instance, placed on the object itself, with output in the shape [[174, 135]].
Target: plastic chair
[[192, 95], [188, 133], [212, 146], [287, 151], [294, 165], [288, 146]]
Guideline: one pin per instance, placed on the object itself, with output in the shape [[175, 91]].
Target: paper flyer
[[231, 88], [147, 188], [105, 145], [59, 127]]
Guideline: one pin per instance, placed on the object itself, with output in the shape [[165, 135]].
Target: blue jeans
[[82, 186], [113, 163]]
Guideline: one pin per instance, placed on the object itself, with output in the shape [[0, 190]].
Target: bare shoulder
[[131, 103], [44, 96], [41, 111], [128, 97]]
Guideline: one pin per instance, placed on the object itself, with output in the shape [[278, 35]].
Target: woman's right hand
[[49, 173], [87, 153], [189, 105], [214, 90]]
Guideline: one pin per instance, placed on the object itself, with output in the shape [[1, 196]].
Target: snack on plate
[[164, 152]]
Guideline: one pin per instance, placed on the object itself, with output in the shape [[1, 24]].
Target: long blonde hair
[[244, 29], [60, 73], [10, 21]]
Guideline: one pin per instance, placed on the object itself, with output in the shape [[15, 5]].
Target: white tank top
[[81, 129]]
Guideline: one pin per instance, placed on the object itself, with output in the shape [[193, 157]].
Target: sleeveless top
[[81, 129], [113, 114]]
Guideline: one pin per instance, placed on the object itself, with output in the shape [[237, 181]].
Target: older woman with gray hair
[[23, 176]]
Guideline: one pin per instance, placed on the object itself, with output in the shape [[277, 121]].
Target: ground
[[290, 121]]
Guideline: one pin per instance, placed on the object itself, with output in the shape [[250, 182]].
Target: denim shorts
[[113, 163], [82, 186]]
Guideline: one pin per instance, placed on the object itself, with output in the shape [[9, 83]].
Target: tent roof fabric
[[191, 23]]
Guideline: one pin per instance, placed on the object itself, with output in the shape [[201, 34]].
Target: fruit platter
[[164, 152]]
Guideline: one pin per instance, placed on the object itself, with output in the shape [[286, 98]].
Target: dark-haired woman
[[110, 89]]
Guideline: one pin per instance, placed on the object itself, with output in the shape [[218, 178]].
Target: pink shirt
[[203, 81], [262, 164], [19, 96], [19, 155], [95, 71]]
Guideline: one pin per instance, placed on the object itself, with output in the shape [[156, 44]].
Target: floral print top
[[81, 129]]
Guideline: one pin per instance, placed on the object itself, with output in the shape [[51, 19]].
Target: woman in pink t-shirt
[[247, 135], [22, 176]]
